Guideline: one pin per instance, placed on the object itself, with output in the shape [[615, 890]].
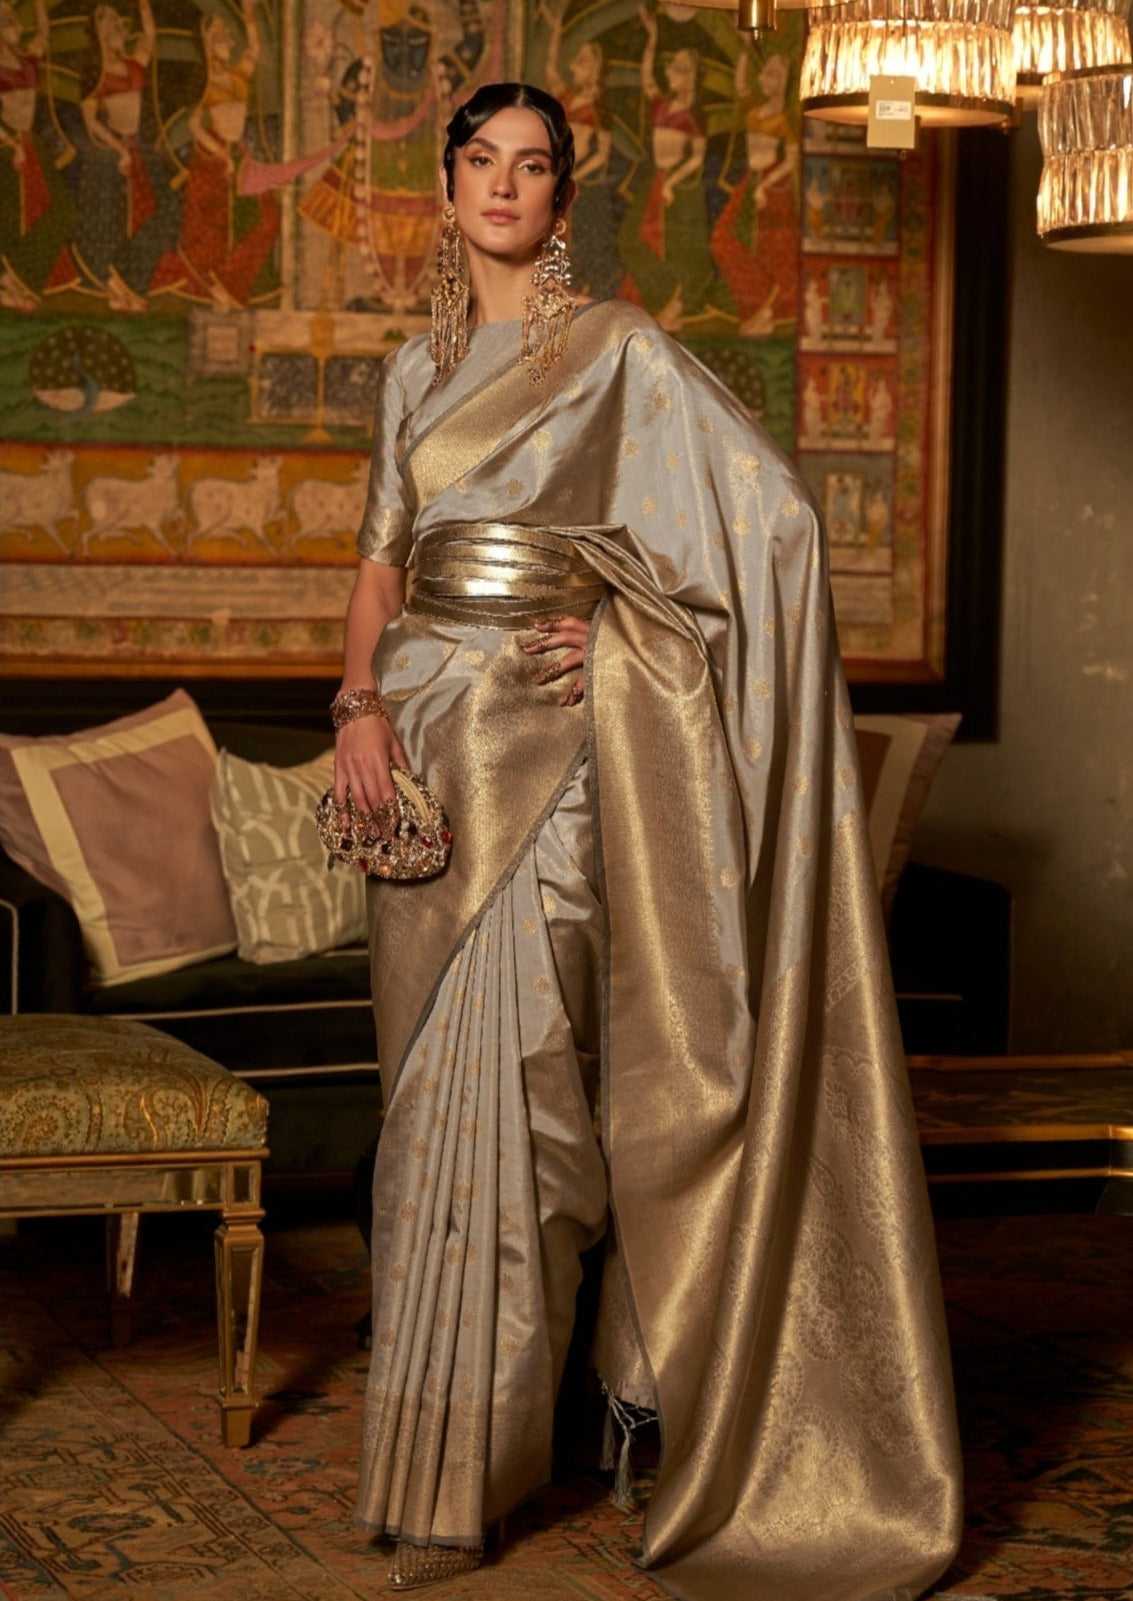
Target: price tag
[[892, 113]]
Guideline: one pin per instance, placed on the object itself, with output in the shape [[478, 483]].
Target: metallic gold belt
[[502, 575]]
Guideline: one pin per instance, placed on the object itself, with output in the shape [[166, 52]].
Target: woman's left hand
[[568, 634]]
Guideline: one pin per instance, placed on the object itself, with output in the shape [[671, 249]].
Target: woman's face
[[585, 65], [219, 42], [504, 185], [110, 26], [681, 72], [773, 78], [11, 31]]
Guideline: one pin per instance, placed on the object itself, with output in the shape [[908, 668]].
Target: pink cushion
[[899, 757], [117, 820]]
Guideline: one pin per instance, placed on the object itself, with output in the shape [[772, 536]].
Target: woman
[[595, 208], [226, 239], [377, 196], [616, 668], [121, 209], [756, 235], [36, 210], [664, 235]]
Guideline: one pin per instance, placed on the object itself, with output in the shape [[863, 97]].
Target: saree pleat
[[679, 886], [499, 751], [490, 1187]]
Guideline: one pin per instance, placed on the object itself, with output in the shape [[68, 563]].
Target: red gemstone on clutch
[[446, 838], [427, 842], [363, 866]]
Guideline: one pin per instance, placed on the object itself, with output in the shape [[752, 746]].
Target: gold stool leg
[[121, 1259], [239, 1247]]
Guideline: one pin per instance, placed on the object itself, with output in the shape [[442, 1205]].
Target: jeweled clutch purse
[[413, 841]]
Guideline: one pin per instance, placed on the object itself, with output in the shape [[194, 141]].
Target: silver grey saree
[[661, 902]]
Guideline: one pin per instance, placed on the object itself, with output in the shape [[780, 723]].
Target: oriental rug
[[115, 1484]]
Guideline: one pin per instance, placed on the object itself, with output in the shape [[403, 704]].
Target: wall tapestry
[[216, 217]]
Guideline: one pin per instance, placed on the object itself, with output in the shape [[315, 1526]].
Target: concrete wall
[[1048, 808]]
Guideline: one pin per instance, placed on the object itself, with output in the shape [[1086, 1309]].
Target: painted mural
[[217, 216]]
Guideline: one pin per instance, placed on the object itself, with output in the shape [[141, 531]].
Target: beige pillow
[[899, 757], [284, 901], [116, 819]]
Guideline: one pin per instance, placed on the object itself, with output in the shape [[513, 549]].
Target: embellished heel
[[414, 1566]]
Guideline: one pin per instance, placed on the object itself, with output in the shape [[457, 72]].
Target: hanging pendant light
[[756, 17], [1086, 188], [959, 52], [1064, 36]]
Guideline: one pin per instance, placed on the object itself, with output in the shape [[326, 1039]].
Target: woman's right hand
[[363, 750]]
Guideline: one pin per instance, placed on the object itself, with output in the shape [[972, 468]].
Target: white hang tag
[[892, 113]]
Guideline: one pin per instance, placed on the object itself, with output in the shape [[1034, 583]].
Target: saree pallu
[[671, 882]]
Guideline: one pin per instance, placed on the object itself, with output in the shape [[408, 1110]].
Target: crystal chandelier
[[959, 51], [1063, 36], [1086, 188]]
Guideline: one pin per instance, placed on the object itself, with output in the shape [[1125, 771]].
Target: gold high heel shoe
[[417, 1565]]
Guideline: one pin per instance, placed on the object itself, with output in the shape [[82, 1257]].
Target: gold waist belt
[[500, 574]]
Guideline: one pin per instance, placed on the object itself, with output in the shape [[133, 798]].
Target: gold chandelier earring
[[548, 309], [448, 334]]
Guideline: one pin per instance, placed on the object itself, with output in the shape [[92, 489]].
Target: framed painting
[[219, 215]]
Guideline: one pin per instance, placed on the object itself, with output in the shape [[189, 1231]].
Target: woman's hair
[[495, 97]]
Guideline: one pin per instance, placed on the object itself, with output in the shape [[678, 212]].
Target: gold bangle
[[350, 704]]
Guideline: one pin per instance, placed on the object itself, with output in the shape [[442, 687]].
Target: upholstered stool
[[103, 1116]]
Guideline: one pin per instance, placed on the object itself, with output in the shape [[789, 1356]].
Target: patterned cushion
[[72, 1086], [284, 902]]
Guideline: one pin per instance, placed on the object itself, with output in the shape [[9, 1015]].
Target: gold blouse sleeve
[[386, 534]]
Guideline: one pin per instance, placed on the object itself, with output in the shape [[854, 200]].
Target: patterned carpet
[[1041, 1315], [115, 1484]]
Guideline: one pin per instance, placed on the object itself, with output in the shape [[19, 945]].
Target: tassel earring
[[448, 334], [548, 309]]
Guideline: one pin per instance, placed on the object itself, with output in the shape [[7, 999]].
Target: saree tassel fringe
[[607, 1459], [620, 1415]]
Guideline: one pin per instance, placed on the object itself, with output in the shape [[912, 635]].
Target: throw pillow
[[116, 819], [284, 901], [899, 757]]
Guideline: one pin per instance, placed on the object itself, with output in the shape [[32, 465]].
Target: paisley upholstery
[[95, 1086]]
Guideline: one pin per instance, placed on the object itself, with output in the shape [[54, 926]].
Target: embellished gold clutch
[[410, 840]]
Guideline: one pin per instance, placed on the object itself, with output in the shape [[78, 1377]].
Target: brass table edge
[[1009, 1064], [97, 1159], [1038, 1174], [992, 1133]]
